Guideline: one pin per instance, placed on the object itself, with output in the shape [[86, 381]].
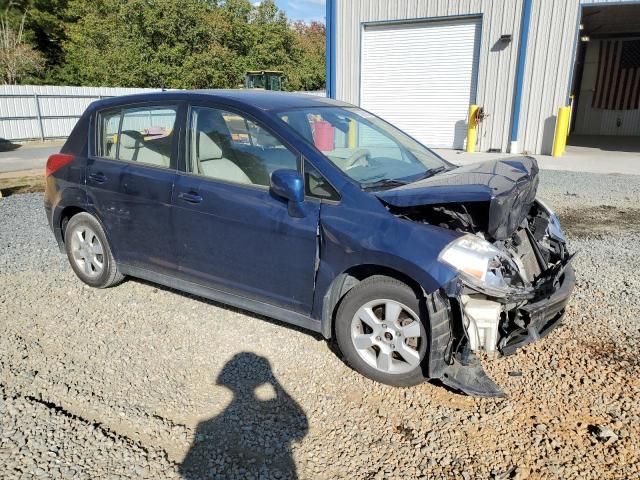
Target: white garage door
[[422, 77]]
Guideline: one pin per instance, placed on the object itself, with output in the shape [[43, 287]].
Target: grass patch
[[17, 185]]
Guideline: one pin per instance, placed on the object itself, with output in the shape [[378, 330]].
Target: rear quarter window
[[108, 125]]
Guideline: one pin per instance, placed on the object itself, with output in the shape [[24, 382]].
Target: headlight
[[483, 267]]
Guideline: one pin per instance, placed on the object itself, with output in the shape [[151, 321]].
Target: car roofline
[[250, 99]]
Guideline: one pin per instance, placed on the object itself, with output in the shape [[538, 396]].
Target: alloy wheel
[[87, 251], [388, 336]]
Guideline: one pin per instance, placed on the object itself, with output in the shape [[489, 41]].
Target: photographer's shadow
[[252, 437]]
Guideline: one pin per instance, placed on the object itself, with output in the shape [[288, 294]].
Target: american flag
[[618, 81]]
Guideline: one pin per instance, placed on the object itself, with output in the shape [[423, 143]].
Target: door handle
[[98, 177], [190, 197]]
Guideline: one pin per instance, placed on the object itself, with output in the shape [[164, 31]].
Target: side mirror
[[288, 184]]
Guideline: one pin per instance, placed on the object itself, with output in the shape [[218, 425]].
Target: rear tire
[[89, 252], [380, 329]]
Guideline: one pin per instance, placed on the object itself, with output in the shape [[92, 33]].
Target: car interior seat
[[210, 160], [134, 148]]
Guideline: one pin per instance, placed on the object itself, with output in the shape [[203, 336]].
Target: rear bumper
[[542, 315]]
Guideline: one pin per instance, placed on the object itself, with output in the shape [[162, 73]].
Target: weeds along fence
[[34, 112]]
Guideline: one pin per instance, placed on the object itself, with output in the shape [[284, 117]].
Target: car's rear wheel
[[381, 332], [89, 253]]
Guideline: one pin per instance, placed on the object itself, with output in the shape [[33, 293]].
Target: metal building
[[421, 63]]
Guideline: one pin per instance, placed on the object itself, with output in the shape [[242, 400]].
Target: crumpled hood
[[508, 186]]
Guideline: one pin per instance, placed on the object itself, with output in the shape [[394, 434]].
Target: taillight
[[56, 162]]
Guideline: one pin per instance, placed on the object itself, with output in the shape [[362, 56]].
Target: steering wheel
[[360, 154]]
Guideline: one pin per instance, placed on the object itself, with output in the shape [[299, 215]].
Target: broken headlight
[[554, 230], [483, 267]]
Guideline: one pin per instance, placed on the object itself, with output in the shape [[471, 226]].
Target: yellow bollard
[[472, 133], [562, 131], [353, 132]]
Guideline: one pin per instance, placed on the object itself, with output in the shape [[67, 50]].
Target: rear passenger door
[[130, 177]]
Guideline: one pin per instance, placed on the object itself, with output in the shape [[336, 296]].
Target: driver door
[[233, 234]]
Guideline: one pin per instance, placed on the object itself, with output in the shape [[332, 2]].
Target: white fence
[[30, 112]]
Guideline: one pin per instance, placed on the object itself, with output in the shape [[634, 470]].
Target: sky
[[307, 10]]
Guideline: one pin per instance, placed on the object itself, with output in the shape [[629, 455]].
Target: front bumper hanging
[[542, 314]]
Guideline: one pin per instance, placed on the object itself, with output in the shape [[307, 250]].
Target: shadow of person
[[252, 437]]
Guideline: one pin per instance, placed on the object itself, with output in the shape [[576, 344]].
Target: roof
[[270, 100], [257, 99]]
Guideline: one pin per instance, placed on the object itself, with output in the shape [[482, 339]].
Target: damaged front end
[[510, 292], [520, 298], [514, 275]]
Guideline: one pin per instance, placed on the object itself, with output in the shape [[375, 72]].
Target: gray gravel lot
[[139, 381]]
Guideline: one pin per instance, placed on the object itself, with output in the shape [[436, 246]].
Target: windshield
[[365, 147]]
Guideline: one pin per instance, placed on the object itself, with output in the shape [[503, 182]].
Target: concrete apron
[[576, 159]]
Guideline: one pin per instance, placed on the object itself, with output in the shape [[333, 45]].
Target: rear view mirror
[[288, 184]]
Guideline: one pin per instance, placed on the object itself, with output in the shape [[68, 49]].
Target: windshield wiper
[[431, 172], [384, 183]]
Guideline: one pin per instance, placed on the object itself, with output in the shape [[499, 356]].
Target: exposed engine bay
[[534, 257], [514, 274], [502, 323]]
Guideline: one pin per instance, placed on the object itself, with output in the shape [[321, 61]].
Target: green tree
[[310, 72], [18, 59], [275, 46], [148, 43], [46, 22], [167, 43]]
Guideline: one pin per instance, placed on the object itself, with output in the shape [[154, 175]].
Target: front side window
[[365, 147], [316, 185], [227, 146], [143, 135]]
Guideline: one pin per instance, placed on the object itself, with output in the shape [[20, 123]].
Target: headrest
[[211, 121], [208, 149]]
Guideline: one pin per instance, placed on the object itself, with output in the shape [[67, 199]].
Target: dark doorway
[[606, 83]]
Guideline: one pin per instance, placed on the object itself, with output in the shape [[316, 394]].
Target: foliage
[[17, 58], [171, 43], [46, 22], [310, 73]]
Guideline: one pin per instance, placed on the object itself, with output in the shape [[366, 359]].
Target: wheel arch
[[435, 305], [70, 211], [348, 279], [65, 216]]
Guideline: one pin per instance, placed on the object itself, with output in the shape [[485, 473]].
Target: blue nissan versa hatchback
[[319, 214]]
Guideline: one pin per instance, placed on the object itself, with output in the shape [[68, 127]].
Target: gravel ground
[[140, 381]]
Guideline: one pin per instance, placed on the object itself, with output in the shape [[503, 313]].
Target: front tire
[[89, 253], [380, 329]]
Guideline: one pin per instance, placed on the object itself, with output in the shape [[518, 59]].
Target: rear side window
[[142, 135]]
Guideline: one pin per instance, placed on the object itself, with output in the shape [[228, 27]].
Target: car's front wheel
[[89, 253], [381, 332]]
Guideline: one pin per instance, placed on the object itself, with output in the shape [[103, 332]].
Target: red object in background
[[323, 133]]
